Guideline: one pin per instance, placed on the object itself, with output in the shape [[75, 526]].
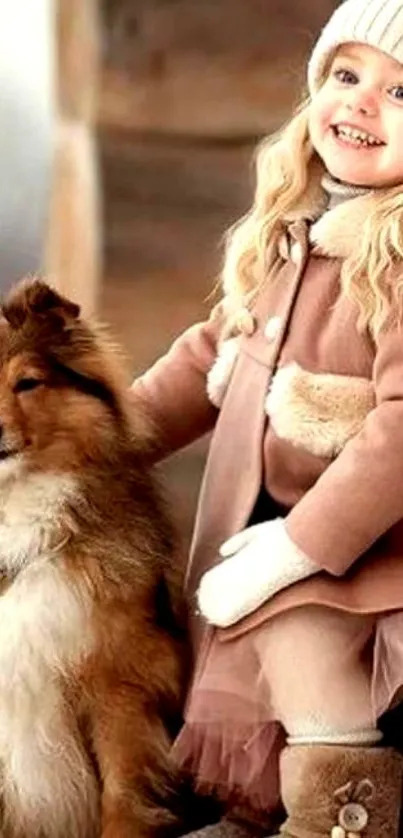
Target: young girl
[[295, 582]]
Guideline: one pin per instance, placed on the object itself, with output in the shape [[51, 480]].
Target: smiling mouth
[[355, 138]]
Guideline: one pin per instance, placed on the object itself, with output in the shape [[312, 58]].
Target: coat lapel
[[233, 475]]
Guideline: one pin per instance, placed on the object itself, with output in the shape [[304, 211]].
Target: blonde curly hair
[[287, 166]]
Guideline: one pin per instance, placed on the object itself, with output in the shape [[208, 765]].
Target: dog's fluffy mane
[[114, 473]]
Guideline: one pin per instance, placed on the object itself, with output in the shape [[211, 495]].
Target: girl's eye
[[345, 76], [25, 384], [397, 92]]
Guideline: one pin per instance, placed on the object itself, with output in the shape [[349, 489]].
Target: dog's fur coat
[[90, 660]]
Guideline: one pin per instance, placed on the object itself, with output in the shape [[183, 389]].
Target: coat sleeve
[[173, 391], [360, 495]]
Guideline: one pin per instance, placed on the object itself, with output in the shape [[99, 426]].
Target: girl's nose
[[363, 101]]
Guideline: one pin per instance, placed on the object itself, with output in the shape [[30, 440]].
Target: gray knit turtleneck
[[338, 191]]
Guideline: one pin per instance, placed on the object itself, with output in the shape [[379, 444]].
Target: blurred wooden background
[[186, 88]]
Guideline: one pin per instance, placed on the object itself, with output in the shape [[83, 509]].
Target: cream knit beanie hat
[[378, 23]]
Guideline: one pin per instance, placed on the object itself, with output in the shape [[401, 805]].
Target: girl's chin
[[349, 163], [351, 174]]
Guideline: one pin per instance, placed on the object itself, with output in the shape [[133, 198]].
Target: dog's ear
[[34, 298]]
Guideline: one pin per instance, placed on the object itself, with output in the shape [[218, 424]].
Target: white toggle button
[[272, 328], [296, 252], [246, 322]]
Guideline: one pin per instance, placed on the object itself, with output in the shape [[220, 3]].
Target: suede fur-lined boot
[[240, 823], [225, 828], [337, 791]]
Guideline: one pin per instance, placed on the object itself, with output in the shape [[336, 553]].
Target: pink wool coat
[[309, 407]]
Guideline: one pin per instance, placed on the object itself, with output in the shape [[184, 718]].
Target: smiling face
[[356, 118]]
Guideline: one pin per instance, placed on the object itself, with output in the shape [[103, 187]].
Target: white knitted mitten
[[262, 560]]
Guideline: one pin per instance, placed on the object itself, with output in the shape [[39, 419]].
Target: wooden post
[[74, 239]]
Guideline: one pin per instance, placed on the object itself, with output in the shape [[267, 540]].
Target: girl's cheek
[[324, 119], [316, 125]]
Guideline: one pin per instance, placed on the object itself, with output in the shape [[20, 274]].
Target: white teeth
[[359, 137]]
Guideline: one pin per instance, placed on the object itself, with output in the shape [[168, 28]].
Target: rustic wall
[[211, 68], [187, 88]]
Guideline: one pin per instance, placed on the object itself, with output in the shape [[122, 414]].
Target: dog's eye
[[25, 384]]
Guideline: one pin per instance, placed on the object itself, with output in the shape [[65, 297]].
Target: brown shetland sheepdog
[[91, 671]]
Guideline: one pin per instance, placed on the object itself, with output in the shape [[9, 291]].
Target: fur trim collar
[[336, 232]]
